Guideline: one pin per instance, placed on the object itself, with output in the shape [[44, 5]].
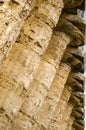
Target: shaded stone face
[[41, 65], [73, 3]]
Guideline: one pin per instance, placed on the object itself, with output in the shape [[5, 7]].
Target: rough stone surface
[[57, 117], [12, 16], [41, 65], [44, 115]]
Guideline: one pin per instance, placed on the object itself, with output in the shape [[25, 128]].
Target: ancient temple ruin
[[41, 65]]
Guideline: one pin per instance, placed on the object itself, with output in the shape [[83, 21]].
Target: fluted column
[[14, 12], [26, 78], [46, 112], [12, 16], [23, 61], [55, 50], [44, 77], [58, 114], [66, 117]]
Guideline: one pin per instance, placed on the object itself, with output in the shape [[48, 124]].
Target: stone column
[[70, 123], [12, 16], [66, 117], [44, 77], [46, 112], [58, 114], [23, 61]]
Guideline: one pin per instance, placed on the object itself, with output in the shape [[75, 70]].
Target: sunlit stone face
[[41, 80]]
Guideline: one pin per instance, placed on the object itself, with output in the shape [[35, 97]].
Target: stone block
[[70, 123], [3, 92], [66, 94], [66, 117], [58, 114], [56, 48], [35, 35], [46, 9], [56, 88], [3, 121], [21, 65], [59, 111], [45, 13], [45, 73], [53, 57], [21, 122], [37, 127], [12, 16], [34, 99], [46, 112], [12, 103], [64, 70]]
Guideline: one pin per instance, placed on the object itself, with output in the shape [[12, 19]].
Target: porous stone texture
[[41, 65], [12, 16]]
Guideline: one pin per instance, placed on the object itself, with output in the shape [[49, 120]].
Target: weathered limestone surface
[[70, 123], [57, 117], [12, 16], [41, 65], [44, 115], [56, 48], [66, 117]]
